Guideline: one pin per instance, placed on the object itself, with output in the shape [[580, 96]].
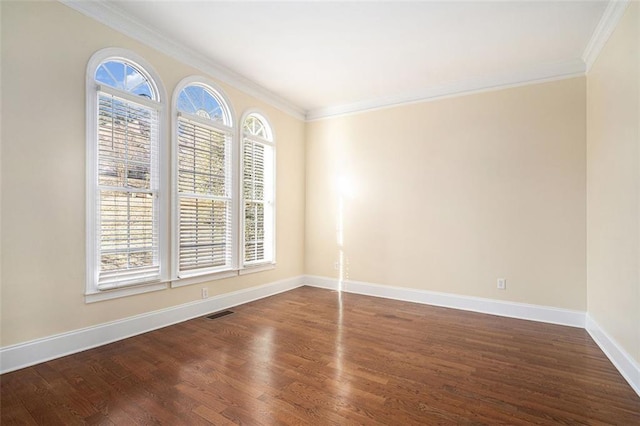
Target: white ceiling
[[330, 57]]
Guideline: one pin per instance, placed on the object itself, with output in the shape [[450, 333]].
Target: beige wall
[[613, 185], [445, 196], [45, 49], [452, 194]]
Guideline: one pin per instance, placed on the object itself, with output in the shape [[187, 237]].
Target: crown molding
[[551, 72], [114, 18], [610, 18], [111, 16]]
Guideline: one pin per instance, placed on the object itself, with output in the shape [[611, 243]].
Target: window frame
[[165, 165], [247, 268], [92, 292], [195, 277]]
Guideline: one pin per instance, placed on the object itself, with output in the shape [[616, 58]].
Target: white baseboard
[[40, 350], [628, 368], [626, 365], [448, 300]]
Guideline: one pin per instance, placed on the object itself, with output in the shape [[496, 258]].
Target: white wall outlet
[[502, 283], [205, 292], [336, 265]]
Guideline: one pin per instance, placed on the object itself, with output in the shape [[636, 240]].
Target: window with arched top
[[203, 101], [124, 138], [256, 125], [127, 77], [221, 174], [258, 191], [204, 186]]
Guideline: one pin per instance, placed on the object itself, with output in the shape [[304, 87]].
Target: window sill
[[196, 279], [98, 296], [116, 293], [257, 268]]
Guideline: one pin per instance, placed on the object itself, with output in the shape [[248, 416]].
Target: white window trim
[[124, 291], [203, 277], [92, 293], [196, 277], [258, 267], [271, 263]]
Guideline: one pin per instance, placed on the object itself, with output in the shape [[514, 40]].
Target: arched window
[[124, 134], [203, 158], [258, 191]]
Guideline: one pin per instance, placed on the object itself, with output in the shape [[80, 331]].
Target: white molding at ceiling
[[610, 18], [114, 18], [552, 72]]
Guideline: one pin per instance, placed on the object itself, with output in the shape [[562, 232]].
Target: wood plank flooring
[[311, 357]]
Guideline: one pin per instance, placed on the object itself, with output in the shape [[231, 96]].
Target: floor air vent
[[219, 315]]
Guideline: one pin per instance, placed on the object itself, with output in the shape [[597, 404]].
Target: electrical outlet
[[336, 265], [502, 283], [205, 292]]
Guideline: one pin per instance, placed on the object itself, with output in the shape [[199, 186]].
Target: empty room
[[310, 213]]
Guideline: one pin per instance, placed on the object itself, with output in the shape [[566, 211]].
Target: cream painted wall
[[445, 196], [45, 49], [452, 194], [613, 185]]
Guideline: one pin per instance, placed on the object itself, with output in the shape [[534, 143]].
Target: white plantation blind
[[204, 196], [127, 184], [254, 200], [257, 191]]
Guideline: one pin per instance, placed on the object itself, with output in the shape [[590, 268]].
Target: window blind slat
[[204, 193], [127, 187], [253, 181]]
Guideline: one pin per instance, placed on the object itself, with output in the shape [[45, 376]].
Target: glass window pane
[[126, 77], [197, 100]]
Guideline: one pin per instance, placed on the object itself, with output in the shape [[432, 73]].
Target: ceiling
[[333, 57]]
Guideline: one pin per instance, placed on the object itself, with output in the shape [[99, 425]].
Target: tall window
[[204, 181], [123, 146], [222, 197], [258, 190]]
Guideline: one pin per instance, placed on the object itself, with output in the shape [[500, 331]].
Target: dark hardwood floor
[[310, 357]]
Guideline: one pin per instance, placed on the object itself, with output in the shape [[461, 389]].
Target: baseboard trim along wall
[[36, 351], [448, 300], [626, 365], [628, 368]]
